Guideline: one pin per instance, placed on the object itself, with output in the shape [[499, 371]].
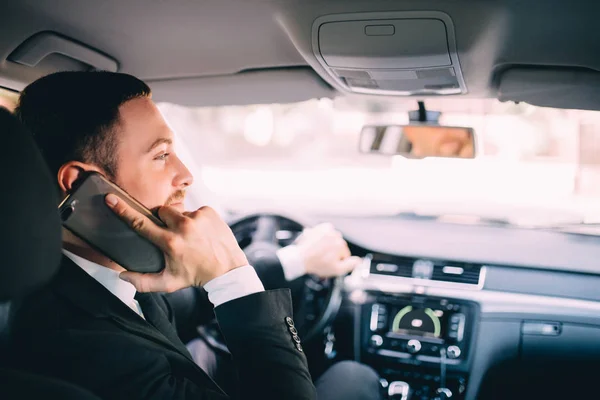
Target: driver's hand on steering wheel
[[325, 252]]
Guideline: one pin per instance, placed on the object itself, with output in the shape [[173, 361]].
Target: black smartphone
[[85, 213]]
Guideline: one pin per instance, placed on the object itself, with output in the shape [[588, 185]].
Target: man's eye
[[162, 157]]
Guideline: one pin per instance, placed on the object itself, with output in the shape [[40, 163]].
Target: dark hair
[[74, 116]]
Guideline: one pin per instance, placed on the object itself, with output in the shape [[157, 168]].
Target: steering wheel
[[318, 300]]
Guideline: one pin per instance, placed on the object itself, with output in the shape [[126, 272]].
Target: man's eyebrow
[[158, 142]]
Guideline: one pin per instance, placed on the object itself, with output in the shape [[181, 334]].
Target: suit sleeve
[[269, 270], [261, 336], [190, 308]]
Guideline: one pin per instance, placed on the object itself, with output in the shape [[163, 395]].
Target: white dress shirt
[[234, 284], [291, 262]]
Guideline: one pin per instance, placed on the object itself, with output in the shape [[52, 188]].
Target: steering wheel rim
[[263, 239], [330, 311]]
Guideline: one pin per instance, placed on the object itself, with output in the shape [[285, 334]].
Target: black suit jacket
[[270, 271], [192, 307], [74, 329]]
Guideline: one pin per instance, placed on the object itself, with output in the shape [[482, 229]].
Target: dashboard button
[[378, 317], [455, 318], [446, 392], [376, 341], [413, 346], [453, 352]]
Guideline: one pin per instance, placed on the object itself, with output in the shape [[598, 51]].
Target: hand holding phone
[[85, 213], [198, 246]]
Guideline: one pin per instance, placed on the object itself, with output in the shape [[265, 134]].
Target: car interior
[[451, 300]]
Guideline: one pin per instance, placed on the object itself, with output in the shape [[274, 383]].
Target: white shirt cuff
[[291, 262], [236, 283]]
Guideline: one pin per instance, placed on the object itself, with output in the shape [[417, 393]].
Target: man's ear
[[72, 172]]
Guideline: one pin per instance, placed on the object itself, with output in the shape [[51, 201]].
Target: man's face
[[147, 167]]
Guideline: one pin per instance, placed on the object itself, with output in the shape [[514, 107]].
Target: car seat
[[30, 247]]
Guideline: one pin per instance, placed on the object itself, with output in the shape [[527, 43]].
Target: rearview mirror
[[418, 141]]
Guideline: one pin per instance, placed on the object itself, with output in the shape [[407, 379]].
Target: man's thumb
[[348, 264]]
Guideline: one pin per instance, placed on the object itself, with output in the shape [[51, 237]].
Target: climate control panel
[[419, 345], [425, 328]]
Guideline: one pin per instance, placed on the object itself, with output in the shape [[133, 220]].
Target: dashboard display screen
[[419, 322]]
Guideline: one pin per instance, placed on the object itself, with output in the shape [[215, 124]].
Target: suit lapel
[[86, 293], [149, 333], [158, 318], [75, 285]]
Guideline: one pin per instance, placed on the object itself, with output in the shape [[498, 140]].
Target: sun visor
[[401, 53], [284, 85], [574, 88]]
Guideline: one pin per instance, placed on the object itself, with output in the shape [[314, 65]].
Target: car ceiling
[[236, 52]]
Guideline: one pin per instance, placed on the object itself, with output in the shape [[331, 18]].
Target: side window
[[8, 99]]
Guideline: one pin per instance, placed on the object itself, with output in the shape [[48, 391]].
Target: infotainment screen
[[415, 321]]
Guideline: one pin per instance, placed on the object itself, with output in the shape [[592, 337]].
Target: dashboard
[[461, 308], [444, 310]]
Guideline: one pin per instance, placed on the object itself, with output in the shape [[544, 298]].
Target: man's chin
[[178, 206]]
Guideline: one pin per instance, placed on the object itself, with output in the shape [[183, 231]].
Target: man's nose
[[184, 177]]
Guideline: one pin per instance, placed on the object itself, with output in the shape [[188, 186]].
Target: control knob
[[453, 352], [444, 393], [376, 340], [413, 346]]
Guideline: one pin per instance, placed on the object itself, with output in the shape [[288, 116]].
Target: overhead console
[[392, 53]]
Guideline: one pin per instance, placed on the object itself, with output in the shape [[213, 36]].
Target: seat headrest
[[30, 228]]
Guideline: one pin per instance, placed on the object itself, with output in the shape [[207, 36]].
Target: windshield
[[533, 165]]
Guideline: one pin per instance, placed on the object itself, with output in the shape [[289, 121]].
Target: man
[[310, 254], [95, 324], [438, 141]]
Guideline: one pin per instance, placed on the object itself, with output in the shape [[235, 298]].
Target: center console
[[419, 345]]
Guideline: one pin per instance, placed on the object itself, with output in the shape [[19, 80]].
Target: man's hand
[[198, 247], [325, 253]]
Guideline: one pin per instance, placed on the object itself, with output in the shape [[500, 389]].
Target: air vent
[[428, 272], [396, 266], [457, 273]]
